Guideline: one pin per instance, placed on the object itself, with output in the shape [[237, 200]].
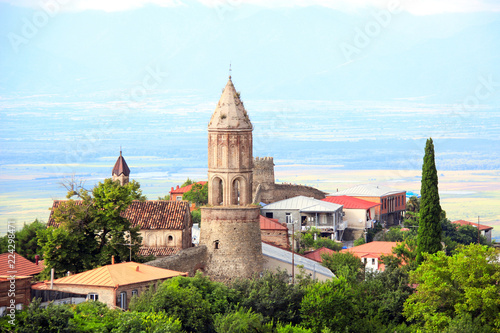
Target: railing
[[342, 225]]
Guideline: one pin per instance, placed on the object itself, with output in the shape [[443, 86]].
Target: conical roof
[[121, 167], [230, 112]]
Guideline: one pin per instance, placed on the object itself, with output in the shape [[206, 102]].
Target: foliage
[[188, 182], [398, 234], [453, 286], [429, 231], [372, 232], [311, 240], [25, 240], [92, 230], [455, 234], [271, 295], [330, 305], [344, 264], [192, 300], [53, 318], [198, 194], [196, 216], [359, 241], [328, 243], [94, 317], [165, 197], [241, 321], [147, 322], [291, 329]]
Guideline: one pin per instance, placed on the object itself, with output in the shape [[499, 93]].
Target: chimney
[[37, 258], [172, 189], [177, 187], [137, 269], [112, 260]]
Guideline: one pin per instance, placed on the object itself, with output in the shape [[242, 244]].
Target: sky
[[353, 84]]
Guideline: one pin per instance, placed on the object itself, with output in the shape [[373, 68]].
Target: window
[[2, 310], [170, 239], [288, 217], [216, 244], [93, 297], [269, 215], [373, 261], [135, 292], [178, 198], [123, 300]]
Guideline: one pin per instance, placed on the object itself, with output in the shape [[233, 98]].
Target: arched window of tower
[[236, 192], [217, 189], [216, 244]]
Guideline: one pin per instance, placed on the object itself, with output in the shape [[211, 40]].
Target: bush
[[241, 321]]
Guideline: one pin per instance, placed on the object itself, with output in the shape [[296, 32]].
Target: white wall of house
[[370, 264]]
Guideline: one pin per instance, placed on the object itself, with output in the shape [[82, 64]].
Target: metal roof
[[303, 204], [351, 202], [368, 190], [121, 167], [286, 256]]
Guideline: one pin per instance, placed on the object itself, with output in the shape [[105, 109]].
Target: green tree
[[344, 264], [26, 240], [53, 318], [271, 295], [92, 229], [147, 322], [196, 216], [429, 231], [188, 182], [452, 286], [198, 194], [165, 197], [94, 317], [330, 305], [241, 321]]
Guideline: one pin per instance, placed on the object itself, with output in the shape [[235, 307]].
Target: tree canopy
[[92, 229], [429, 230], [198, 194]]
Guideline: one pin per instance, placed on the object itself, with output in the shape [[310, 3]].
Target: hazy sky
[[444, 51]]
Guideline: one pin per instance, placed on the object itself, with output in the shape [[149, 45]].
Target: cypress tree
[[429, 229]]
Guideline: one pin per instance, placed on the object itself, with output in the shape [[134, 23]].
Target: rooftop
[[151, 214], [351, 202], [304, 204], [271, 224], [372, 249], [230, 112], [17, 264], [368, 190], [481, 226], [184, 189], [316, 254], [118, 274], [121, 167]]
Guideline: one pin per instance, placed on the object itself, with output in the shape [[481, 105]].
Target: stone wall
[[264, 188], [233, 239], [188, 260], [276, 237]]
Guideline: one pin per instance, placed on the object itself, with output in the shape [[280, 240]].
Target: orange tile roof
[[185, 189], [118, 274], [158, 251], [316, 254], [151, 214], [270, 224], [351, 202], [21, 266], [372, 249], [481, 226]]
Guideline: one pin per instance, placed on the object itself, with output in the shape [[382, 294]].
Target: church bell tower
[[230, 225]]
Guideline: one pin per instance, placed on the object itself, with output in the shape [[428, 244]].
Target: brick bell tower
[[230, 226]]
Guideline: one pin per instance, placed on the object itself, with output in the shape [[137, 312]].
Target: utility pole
[[293, 253]]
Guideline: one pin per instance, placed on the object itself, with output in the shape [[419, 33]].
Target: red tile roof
[[20, 265], [271, 224], [372, 249], [316, 254], [158, 251], [151, 214], [351, 202], [185, 189], [120, 167], [118, 274], [481, 226]]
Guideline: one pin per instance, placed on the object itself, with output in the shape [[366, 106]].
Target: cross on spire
[[230, 69]]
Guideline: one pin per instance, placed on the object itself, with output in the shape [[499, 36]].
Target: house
[[278, 258], [302, 213], [177, 193], [392, 202], [370, 253], [16, 273], [316, 254], [358, 213], [165, 226], [113, 284], [271, 231], [483, 229]]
